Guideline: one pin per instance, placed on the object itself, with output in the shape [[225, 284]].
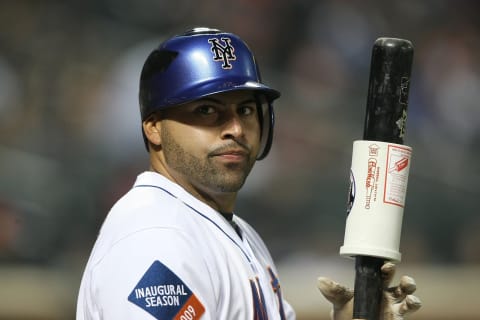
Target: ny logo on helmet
[[222, 52]]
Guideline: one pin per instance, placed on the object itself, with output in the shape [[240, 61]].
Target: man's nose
[[232, 126]]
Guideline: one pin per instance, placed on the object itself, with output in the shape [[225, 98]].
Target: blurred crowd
[[70, 141]]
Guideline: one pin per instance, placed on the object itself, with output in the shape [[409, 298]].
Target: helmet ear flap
[[266, 118]]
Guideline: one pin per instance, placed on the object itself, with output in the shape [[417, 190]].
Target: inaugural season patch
[[163, 294]]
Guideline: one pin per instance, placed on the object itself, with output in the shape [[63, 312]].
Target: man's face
[[211, 144]]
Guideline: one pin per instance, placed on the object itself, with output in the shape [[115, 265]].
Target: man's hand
[[397, 301]]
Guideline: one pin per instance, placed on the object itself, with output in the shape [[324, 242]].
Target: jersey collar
[[154, 179]]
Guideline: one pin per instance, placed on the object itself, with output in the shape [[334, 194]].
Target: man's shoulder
[[135, 224], [143, 208]]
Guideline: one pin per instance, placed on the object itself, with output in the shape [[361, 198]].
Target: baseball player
[[172, 247]]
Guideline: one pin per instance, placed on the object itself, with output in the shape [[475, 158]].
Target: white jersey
[[163, 254]]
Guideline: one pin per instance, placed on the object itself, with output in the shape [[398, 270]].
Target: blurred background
[[70, 142]]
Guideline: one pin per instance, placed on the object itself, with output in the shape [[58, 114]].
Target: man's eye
[[246, 110], [205, 109]]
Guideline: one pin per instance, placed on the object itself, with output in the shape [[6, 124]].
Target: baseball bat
[[384, 127]]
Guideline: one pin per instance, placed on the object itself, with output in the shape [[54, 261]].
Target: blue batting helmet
[[199, 63]]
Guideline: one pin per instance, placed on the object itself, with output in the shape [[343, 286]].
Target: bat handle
[[368, 288]]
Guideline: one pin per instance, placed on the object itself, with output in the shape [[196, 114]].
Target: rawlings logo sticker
[[224, 53], [163, 294]]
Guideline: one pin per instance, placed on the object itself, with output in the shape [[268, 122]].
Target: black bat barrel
[[387, 98], [385, 120]]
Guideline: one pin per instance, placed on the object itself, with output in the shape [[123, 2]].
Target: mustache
[[234, 145]]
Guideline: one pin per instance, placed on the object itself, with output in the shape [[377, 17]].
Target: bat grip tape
[[368, 288]]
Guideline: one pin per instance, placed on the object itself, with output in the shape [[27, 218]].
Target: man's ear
[[151, 128]]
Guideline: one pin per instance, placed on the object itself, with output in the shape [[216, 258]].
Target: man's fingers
[[397, 301], [334, 292], [388, 271], [410, 304], [406, 287]]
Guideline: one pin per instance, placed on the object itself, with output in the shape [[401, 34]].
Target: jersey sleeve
[[154, 273]]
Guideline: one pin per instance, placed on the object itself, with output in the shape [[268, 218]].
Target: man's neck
[[220, 201]]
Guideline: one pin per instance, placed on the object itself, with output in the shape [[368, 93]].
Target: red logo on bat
[[399, 165]]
